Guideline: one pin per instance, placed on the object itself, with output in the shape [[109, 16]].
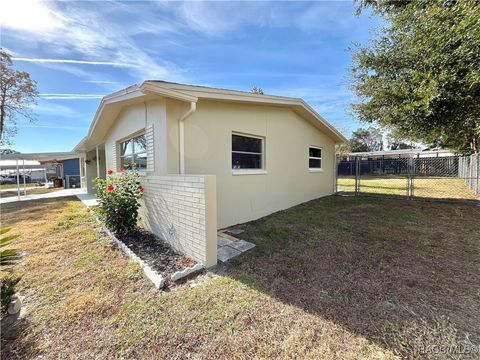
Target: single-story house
[[210, 158]]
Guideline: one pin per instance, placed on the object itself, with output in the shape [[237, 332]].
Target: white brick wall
[[181, 209]]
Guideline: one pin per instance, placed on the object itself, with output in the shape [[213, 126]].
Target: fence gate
[[446, 178]]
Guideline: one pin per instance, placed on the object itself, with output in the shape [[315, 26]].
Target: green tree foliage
[[366, 140], [396, 142], [7, 151], [256, 90], [17, 94], [421, 75]]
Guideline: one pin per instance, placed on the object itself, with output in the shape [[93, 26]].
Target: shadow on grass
[[402, 274], [15, 328]]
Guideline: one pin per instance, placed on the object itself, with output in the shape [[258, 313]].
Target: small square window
[[247, 152], [314, 158]]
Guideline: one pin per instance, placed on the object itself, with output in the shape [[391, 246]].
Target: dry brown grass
[[337, 278], [30, 191]]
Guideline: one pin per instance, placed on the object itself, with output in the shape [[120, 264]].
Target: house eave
[[111, 105]]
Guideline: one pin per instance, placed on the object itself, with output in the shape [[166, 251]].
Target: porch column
[[18, 182], [24, 180], [98, 161]]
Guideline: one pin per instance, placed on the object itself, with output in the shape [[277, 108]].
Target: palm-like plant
[[8, 256]]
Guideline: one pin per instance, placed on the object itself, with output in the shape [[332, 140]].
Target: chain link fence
[[446, 178]]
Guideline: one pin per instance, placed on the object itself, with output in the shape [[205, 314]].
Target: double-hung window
[[314, 158], [247, 152], [133, 153]]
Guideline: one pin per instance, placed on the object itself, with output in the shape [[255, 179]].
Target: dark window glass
[[314, 163], [314, 152], [246, 152], [246, 161], [246, 144]]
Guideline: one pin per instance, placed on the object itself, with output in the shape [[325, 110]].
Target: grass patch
[[334, 278], [436, 188], [30, 191]]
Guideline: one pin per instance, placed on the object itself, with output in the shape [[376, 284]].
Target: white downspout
[[181, 134]]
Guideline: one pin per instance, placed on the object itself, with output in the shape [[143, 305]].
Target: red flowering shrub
[[118, 201]]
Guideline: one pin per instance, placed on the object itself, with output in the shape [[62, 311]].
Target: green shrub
[[118, 197], [7, 290]]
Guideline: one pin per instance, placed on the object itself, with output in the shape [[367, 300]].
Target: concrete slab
[[222, 241], [52, 195], [242, 245], [88, 200], [226, 253], [235, 231]]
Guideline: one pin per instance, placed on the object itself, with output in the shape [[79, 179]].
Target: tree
[[256, 90], [421, 74], [363, 140], [18, 92], [396, 142], [7, 151]]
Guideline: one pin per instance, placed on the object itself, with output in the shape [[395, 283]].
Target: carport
[[18, 165]]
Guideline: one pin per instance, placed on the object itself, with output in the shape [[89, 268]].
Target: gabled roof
[[111, 105]]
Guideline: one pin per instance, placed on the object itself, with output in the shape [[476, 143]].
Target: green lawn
[[436, 188], [336, 278]]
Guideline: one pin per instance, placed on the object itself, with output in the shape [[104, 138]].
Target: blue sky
[[80, 51]]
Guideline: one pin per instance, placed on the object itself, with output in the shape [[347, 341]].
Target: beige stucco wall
[[134, 119], [287, 180]]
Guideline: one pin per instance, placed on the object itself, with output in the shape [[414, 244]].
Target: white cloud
[[71, 96], [67, 61], [49, 108], [87, 32], [218, 17], [47, 126], [31, 16]]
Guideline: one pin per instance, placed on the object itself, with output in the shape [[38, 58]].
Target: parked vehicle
[[12, 179]]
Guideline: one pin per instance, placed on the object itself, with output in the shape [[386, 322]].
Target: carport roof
[[40, 156]]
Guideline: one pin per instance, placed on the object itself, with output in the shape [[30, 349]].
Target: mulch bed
[[159, 255]]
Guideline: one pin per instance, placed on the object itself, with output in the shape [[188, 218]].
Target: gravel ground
[[159, 255]]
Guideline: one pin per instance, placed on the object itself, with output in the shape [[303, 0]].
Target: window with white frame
[[247, 152], [314, 158], [133, 153]]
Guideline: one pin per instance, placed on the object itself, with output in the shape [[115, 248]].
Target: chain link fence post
[[357, 175]]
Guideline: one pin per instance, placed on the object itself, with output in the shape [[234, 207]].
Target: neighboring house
[[210, 158], [399, 154]]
